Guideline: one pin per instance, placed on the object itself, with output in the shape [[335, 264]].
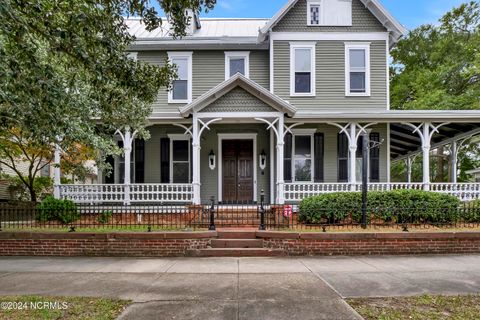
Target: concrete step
[[236, 252], [237, 243], [224, 234]]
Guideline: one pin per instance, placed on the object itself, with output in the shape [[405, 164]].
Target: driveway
[[240, 288]]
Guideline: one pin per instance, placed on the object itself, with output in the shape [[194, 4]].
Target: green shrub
[[472, 212], [397, 206], [104, 217], [52, 209]]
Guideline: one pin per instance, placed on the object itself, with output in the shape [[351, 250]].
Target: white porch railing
[[297, 191], [137, 193]]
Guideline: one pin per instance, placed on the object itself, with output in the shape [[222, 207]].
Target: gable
[[238, 100], [295, 20]]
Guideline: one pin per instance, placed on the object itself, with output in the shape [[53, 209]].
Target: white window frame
[[237, 55], [180, 137], [179, 55], [293, 47], [306, 133], [357, 46], [321, 18]]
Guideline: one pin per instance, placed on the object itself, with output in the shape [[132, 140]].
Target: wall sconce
[[211, 160], [262, 161]]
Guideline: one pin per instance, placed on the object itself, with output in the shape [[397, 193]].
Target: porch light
[[263, 160], [211, 160]]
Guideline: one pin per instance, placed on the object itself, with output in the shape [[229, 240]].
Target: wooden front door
[[237, 171]]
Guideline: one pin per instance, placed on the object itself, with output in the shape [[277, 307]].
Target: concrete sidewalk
[[240, 288]]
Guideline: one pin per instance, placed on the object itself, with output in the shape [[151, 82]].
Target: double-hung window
[[302, 69], [302, 147], [179, 159], [181, 91], [357, 69], [237, 62], [315, 13]]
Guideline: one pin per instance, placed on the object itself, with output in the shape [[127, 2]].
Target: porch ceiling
[[404, 142]]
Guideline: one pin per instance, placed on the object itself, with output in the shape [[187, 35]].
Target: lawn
[[416, 308], [71, 308]]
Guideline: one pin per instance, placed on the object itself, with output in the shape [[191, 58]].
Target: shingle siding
[[295, 20], [330, 77]]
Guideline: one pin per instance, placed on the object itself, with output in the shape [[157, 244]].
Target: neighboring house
[[475, 175], [277, 105]]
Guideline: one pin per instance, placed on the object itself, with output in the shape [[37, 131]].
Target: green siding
[[208, 68], [330, 77], [296, 20]]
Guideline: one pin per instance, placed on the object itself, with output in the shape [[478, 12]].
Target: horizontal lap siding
[[208, 69], [330, 77], [296, 20]]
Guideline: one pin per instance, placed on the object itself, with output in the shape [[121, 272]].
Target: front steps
[[236, 244]]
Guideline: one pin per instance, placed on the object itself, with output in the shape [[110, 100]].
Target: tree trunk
[[33, 194]]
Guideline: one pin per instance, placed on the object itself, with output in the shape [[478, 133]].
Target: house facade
[[279, 105]]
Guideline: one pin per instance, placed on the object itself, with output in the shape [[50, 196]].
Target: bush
[[397, 206], [52, 209], [471, 213], [105, 217]]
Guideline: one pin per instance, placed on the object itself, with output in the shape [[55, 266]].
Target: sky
[[411, 13]]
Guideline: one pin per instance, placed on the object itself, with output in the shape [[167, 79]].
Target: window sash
[[315, 14], [357, 69], [174, 164], [302, 72], [181, 90], [304, 159], [234, 69]]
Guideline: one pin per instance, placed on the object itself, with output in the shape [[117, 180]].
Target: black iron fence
[[26, 216]]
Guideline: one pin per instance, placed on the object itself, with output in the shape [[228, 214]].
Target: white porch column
[[426, 155], [409, 162], [280, 156], [352, 172], [196, 161], [454, 163], [127, 148], [56, 173]]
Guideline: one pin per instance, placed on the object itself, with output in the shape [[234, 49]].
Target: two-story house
[[277, 105]]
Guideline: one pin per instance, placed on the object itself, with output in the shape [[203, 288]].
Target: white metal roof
[[211, 28]]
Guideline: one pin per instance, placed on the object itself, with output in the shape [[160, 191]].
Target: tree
[[65, 74], [438, 67]]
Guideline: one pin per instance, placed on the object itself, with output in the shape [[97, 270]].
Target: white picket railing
[[135, 193], [297, 191]]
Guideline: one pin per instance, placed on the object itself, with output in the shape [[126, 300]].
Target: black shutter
[[110, 179], [375, 158], [287, 158], [342, 154], [318, 156], [165, 160], [121, 165], [139, 161]]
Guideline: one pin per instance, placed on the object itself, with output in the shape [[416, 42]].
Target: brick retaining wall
[[303, 244], [170, 244]]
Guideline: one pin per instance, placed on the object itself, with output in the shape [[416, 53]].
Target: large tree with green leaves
[[65, 75]]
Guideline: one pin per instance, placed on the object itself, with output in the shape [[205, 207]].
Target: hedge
[[52, 209], [396, 206]]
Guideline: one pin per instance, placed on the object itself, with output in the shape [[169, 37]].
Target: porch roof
[[238, 81]]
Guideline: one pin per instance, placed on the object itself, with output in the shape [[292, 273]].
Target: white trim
[[238, 55], [321, 18], [272, 64], [133, 55], [357, 46], [235, 115], [324, 36], [179, 137], [272, 166], [387, 49], [188, 55], [236, 136], [310, 46]]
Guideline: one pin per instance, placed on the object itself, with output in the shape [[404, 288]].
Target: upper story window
[[315, 13], [357, 69], [237, 62], [302, 69], [181, 91]]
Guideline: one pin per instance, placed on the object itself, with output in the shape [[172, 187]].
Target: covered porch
[[239, 139]]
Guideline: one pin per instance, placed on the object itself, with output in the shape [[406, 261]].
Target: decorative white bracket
[[188, 130]]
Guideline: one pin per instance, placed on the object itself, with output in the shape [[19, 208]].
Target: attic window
[[314, 13]]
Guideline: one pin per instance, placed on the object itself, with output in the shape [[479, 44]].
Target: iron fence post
[[212, 215], [262, 210]]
